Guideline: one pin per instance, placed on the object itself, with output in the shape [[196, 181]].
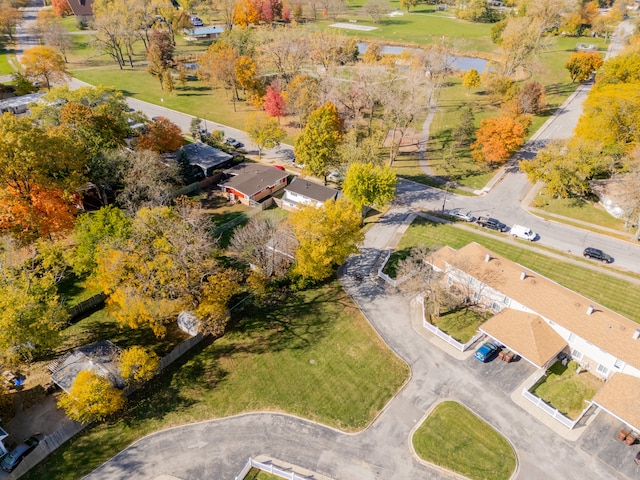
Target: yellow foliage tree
[[471, 79], [44, 64], [91, 397], [137, 364], [326, 236]]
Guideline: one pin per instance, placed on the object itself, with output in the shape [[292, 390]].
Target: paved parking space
[[600, 440], [506, 377]]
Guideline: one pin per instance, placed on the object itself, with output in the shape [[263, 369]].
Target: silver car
[[460, 214]]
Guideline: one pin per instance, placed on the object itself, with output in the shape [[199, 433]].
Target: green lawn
[[313, 355], [566, 390], [461, 323], [578, 209], [5, 67], [454, 438], [256, 474], [612, 292]]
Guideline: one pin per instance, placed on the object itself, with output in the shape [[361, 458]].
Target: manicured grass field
[[454, 438], [462, 323], [313, 355], [612, 292], [255, 474], [579, 209], [5, 67], [566, 390]]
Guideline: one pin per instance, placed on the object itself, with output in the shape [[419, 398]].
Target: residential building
[[301, 192], [206, 158], [252, 182]]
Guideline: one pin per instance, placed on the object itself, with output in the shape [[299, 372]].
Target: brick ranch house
[[537, 319], [251, 182]]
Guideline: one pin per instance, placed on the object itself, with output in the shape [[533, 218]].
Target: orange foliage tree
[[162, 136], [61, 8], [498, 138]]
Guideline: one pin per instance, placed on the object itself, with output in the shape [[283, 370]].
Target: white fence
[[271, 468], [383, 275], [549, 410], [445, 336]]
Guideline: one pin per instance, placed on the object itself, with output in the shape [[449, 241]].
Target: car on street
[[518, 231], [15, 456], [597, 254], [487, 352], [492, 224], [232, 142], [460, 214]]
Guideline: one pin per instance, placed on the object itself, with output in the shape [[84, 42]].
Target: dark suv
[[492, 224], [597, 255]]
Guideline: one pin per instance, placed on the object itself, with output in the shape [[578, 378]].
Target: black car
[[492, 224], [13, 459], [597, 254]]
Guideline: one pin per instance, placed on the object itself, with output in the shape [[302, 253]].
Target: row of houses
[[538, 319]]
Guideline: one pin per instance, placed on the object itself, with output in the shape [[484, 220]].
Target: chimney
[[523, 275], [590, 310], [487, 257], [636, 334]]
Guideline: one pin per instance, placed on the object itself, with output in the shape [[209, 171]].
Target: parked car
[[196, 21], [518, 231], [492, 224], [597, 254], [232, 142], [13, 459], [335, 177], [487, 352], [460, 214]]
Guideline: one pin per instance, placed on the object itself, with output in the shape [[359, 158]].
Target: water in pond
[[459, 63]]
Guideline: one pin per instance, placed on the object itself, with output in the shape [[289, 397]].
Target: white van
[[525, 233]]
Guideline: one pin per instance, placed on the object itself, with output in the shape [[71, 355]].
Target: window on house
[[506, 301], [602, 369], [576, 354], [476, 296], [572, 337], [495, 307]]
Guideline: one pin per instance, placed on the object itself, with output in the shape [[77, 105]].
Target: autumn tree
[[94, 230], [317, 145], [531, 98], [9, 18], [376, 9], [147, 181], [39, 169], [160, 56], [471, 79], [326, 236], [246, 12], [623, 68], [362, 147], [329, 50], [284, 52], [61, 8], [264, 132], [137, 365], [45, 65], [367, 184], [91, 398], [267, 244], [218, 67], [166, 266], [521, 41], [497, 139], [373, 53], [581, 65], [274, 103], [49, 28], [302, 96], [611, 116], [473, 10], [162, 136], [31, 312], [246, 73]]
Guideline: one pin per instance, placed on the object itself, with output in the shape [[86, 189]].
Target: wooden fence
[[89, 304]]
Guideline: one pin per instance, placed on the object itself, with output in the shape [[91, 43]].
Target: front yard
[[461, 322], [565, 389]]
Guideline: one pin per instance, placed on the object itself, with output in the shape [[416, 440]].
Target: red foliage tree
[[274, 103], [61, 8], [162, 136]]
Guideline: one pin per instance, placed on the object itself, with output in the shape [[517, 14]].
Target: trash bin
[[630, 440], [622, 435]]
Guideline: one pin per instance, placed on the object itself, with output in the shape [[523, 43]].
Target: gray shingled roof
[[311, 190], [251, 178]]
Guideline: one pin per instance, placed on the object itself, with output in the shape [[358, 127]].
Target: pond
[[459, 63]]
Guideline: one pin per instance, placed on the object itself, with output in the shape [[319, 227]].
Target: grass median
[[312, 355], [612, 292], [454, 438]]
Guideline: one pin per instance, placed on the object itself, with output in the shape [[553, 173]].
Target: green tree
[[326, 236], [407, 4], [91, 398], [471, 79], [464, 133], [264, 132], [473, 10], [366, 184], [95, 230], [137, 365], [582, 65], [317, 145], [45, 65]]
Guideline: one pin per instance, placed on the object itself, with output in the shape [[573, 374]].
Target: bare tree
[[415, 274], [376, 9], [284, 52]]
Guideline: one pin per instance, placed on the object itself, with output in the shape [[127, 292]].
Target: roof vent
[[487, 257], [590, 310], [636, 334], [523, 275]]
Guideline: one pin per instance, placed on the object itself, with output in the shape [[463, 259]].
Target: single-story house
[[301, 192], [206, 158], [82, 9], [537, 318], [252, 182], [101, 358], [205, 32], [18, 105]]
